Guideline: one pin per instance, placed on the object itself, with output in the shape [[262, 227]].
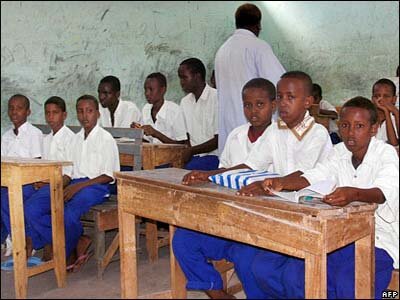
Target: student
[[364, 169], [384, 97], [327, 109], [115, 112], [163, 120], [24, 140], [94, 154], [200, 111], [55, 147], [192, 249]]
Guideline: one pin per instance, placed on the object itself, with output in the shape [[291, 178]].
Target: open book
[[309, 194]]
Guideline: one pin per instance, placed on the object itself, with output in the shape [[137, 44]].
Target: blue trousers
[[194, 250], [27, 192], [205, 163], [38, 214], [282, 276]]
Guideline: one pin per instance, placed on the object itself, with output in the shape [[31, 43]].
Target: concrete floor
[[84, 284]]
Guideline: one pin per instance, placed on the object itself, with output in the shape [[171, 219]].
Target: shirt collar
[[244, 32], [22, 128], [301, 129], [91, 134]]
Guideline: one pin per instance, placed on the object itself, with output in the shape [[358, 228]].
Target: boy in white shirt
[[364, 169], [115, 112], [192, 249], [24, 140], [163, 121], [200, 109], [94, 154]]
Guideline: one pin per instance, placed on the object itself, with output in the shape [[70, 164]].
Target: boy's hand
[[341, 196], [39, 184], [71, 190], [195, 177], [149, 130], [272, 184], [253, 189], [381, 105], [136, 125]]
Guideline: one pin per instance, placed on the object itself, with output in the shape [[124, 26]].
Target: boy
[[364, 169], [115, 112], [199, 108], [94, 154], [193, 249], [327, 109], [384, 97], [24, 140], [163, 120]]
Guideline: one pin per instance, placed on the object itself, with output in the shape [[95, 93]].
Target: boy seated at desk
[[199, 108], [192, 249], [384, 97], [94, 154], [364, 169], [328, 110], [24, 140], [163, 121]]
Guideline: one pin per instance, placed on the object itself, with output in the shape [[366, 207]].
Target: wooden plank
[[151, 240], [44, 267], [160, 295], [178, 279], [315, 276]]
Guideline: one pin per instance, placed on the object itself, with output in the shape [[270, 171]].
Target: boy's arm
[[390, 132], [150, 130], [72, 189], [202, 176], [345, 195], [205, 147], [330, 113]]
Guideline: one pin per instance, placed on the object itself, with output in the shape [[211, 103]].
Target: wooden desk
[[16, 172], [305, 231]]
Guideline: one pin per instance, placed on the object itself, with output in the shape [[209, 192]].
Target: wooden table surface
[[16, 172], [307, 231]]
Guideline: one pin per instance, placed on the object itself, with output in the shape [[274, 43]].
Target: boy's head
[[294, 97], [317, 93], [192, 74], [55, 112], [258, 96], [109, 91], [248, 16], [358, 124], [87, 110], [384, 91], [155, 87], [18, 109]]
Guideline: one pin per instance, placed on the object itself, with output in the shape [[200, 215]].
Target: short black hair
[[303, 77], [162, 80], [57, 101], [88, 97], [388, 82], [364, 103], [247, 15], [317, 89], [261, 83], [27, 102], [114, 81], [195, 65]]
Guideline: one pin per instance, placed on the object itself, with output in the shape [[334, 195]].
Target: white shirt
[[282, 150], [323, 104], [382, 133], [396, 83], [242, 57], [94, 156], [27, 144], [56, 146], [126, 113], [237, 147], [169, 121], [380, 169], [201, 117]]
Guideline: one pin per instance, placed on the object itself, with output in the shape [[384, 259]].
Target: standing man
[[242, 57]]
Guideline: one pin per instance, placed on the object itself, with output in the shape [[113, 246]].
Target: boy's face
[[257, 106], [55, 117], [187, 79], [87, 114], [383, 94], [293, 100], [153, 91], [107, 96], [18, 111], [355, 129], [317, 98]]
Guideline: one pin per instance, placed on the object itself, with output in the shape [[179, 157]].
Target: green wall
[[65, 48]]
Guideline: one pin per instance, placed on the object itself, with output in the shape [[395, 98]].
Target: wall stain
[[105, 12]]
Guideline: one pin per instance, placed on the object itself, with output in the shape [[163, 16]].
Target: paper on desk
[[124, 140]]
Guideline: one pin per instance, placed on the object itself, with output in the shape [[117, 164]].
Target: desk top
[[19, 161]]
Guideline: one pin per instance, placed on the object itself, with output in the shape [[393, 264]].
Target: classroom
[[111, 66]]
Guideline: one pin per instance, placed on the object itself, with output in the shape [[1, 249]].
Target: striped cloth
[[236, 179]]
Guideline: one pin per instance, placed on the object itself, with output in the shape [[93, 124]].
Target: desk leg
[[127, 242], [178, 279], [18, 236], [152, 240], [315, 276], [365, 265], [57, 221]]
